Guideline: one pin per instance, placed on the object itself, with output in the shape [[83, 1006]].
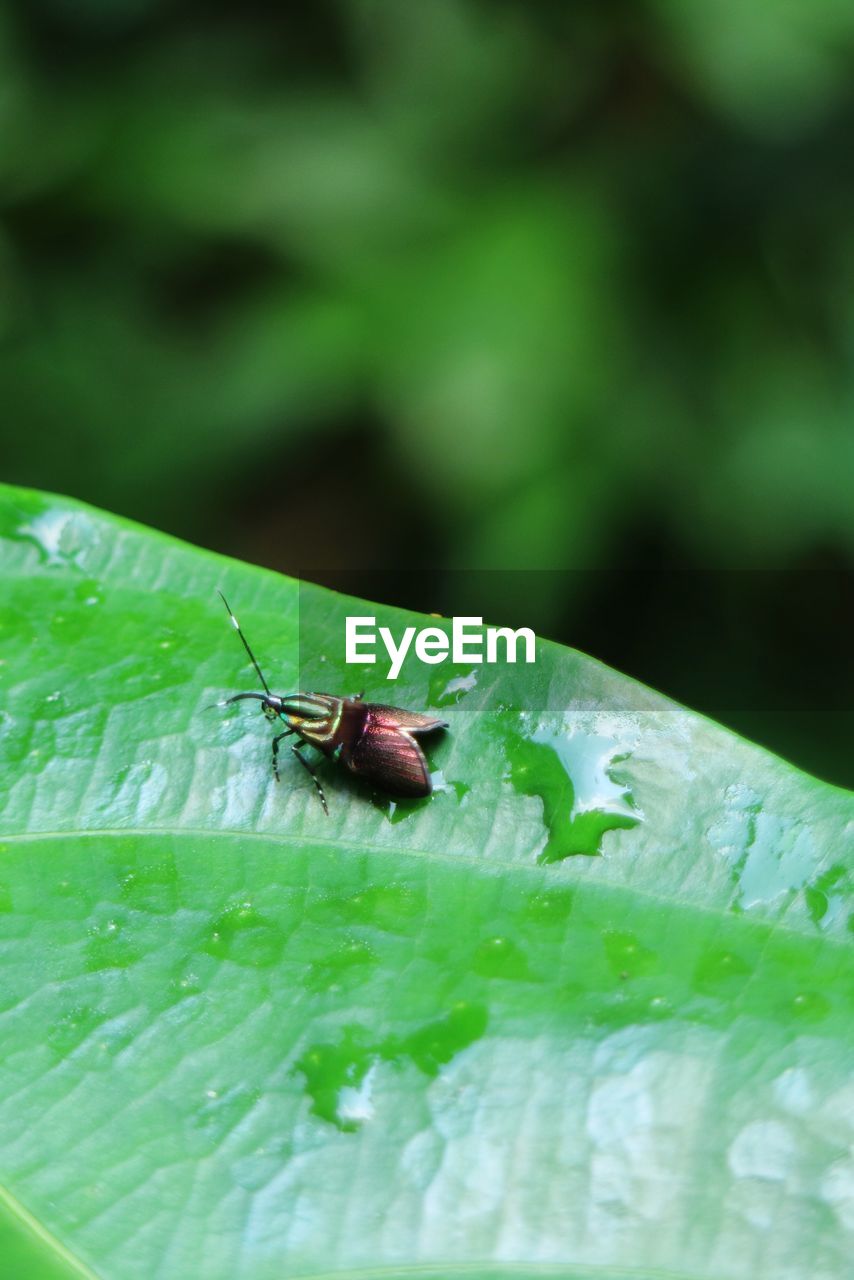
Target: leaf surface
[[584, 1011]]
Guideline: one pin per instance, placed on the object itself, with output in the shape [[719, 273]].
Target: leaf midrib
[[21, 1216], [431, 856]]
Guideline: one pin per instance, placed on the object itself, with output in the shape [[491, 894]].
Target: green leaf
[[586, 1010]]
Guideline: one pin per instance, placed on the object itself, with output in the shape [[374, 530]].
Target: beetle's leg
[[276, 742], [314, 777]]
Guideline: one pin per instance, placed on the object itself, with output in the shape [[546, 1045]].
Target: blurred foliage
[[451, 283]]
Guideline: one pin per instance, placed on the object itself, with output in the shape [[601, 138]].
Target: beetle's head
[[295, 709], [271, 705]]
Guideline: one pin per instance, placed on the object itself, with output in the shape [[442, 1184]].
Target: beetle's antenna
[[253, 659]]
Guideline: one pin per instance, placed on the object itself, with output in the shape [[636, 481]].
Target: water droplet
[[345, 966], [109, 948], [499, 957], [335, 1072], [152, 886], [88, 592], [550, 908], [721, 973], [574, 774], [391, 908], [811, 1006], [444, 692], [626, 955], [436, 1043], [355, 1104], [770, 856], [828, 896], [72, 1028], [245, 936], [327, 1068], [55, 706], [62, 537]]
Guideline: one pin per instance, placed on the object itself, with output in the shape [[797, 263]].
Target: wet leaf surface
[[585, 1008]]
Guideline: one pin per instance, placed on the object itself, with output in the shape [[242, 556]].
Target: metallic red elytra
[[371, 740]]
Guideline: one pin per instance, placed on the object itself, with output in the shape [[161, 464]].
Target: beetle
[[371, 740]]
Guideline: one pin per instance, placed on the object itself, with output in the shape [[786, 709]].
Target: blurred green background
[[384, 293]]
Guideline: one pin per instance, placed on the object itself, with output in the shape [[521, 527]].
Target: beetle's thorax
[[317, 717], [302, 706]]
